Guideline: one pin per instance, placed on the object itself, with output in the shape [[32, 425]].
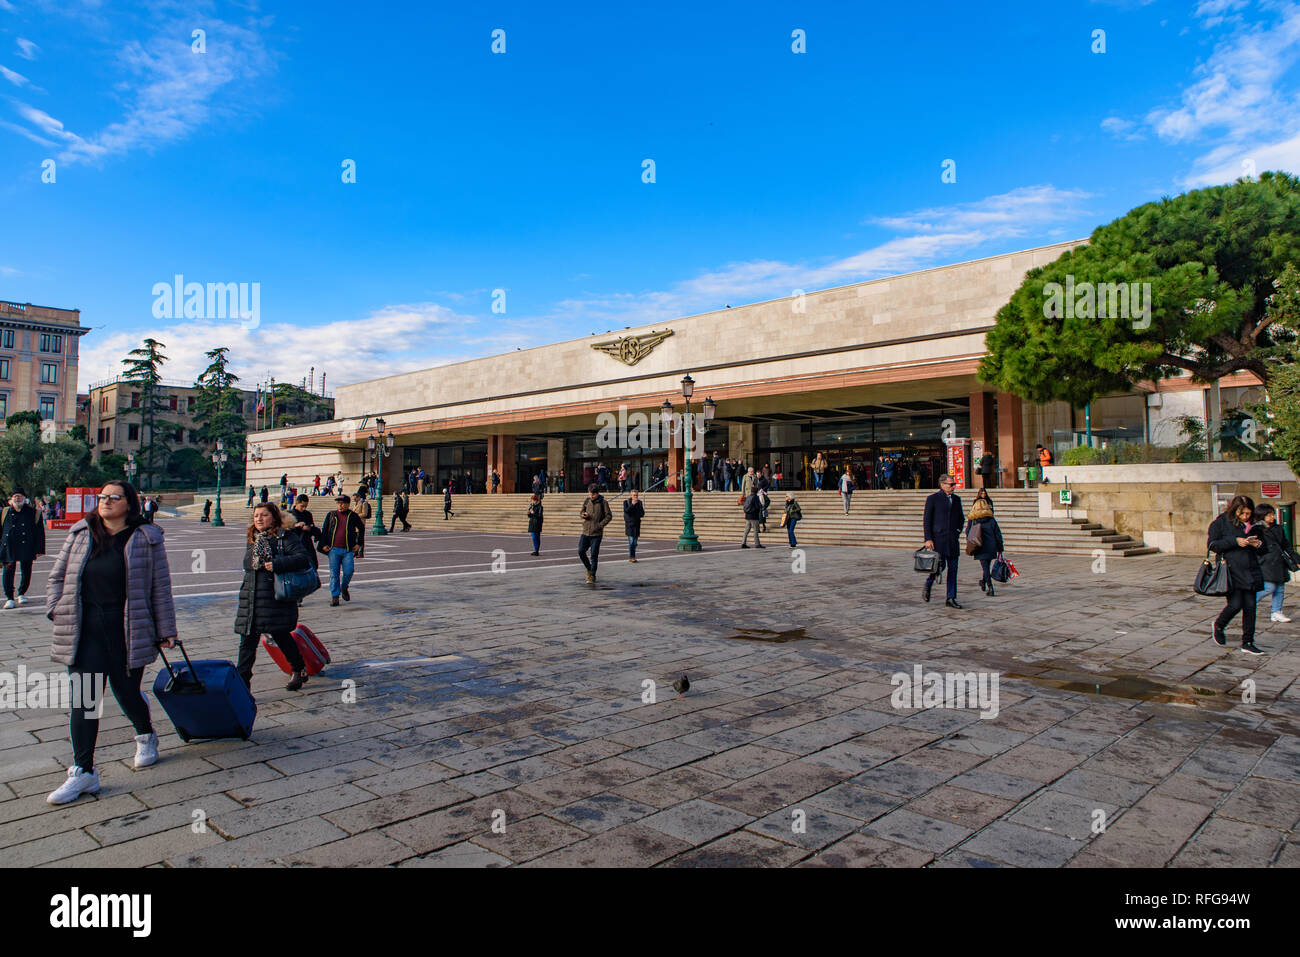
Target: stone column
[[1011, 440], [501, 456], [981, 426]]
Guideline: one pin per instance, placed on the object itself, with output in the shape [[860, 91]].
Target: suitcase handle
[[176, 685]]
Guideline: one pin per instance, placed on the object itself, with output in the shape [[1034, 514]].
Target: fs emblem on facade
[[630, 350]]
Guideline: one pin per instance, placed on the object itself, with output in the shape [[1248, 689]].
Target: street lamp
[[688, 541], [381, 449], [219, 458]]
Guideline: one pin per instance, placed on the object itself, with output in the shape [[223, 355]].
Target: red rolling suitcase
[[313, 652]]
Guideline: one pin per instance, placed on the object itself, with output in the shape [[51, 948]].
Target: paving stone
[[601, 812], [818, 827], [144, 851], [994, 782], [1067, 814], [1264, 802], [1227, 843], [464, 854], [632, 845], [1021, 846], [856, 802], [779, 787], [698, 821], [673, 787], [371, 849], [1101, 787], [864, 850], [741, 849], [1151, 832], [902, 778], [970, 809], [915, 830], [363, 816], [667, 754], [744, 761], [532, 837], [178, 818], [262, 847]]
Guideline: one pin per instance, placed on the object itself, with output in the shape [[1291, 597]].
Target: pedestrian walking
[[252, 494], [942, 529], [1273, 563], [846, 489], [329, 486], [496, 481], [265, 495], [284, 485], [446, 503], [342, 538], [301, 521], [983, 539], [110, 598], [535, 522], [1240, 546], [401, 508], [748, 483], [207, 511], [316, 486], [818, 470], [22, 541], [764, 499], [633, 512], [753, 518], [793, 513], [986, 471], [150, 508], [595, 516], [559, 481], [271, 549]]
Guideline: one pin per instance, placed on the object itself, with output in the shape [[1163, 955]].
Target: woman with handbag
[[1239, 548], [272, 550], [1278, 562], [989, 546]]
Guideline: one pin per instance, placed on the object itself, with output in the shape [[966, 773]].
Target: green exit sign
[[1065, 497]]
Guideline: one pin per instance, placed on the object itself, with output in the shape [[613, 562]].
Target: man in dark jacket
[[341, 538], [942, 529], [22, 541], [595, 516], [401, 506], [753, 518]]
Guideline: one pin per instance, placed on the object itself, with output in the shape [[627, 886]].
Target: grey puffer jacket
[[150, 615]]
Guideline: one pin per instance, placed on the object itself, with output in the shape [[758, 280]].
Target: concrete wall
[[1168, 506]]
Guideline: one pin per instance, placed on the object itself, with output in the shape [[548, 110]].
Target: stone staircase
[[883, 519]]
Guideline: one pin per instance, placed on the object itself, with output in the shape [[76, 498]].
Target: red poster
[[1270, 489], [957, 461]]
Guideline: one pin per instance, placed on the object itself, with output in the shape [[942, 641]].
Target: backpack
[[974, 538]]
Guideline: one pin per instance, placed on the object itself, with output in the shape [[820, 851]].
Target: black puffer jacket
[[259, 611], [1271, 563], [1243, 563]]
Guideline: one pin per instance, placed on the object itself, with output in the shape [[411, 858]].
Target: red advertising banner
[[957, 449], [80, 503], [1270, 490]]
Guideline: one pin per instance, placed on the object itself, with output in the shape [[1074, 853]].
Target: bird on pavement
[[682, 685]]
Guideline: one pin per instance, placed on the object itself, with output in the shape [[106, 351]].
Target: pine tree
[[143, 370], [217, 404]]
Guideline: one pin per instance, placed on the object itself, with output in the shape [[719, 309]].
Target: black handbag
[[295, 586], [927, 561], [1000, 571], [1289, 560], [1212, 578]]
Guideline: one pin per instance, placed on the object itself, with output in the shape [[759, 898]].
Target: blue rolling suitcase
[[205, 699]]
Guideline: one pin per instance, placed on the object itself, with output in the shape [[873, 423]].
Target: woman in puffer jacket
[[990, 546], [271, 548], [1232, 536], [110, 598]]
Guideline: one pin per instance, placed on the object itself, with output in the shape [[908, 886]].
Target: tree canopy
[[1187, 282]]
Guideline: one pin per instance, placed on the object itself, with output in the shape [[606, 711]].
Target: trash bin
[[1034, 473], [1021, 474]]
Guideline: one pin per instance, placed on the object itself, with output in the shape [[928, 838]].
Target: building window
[[47, 407], [135, 400], [7, 338], [51, 342], [172, 402], [4, 368], [133, 433], [190, 403], [180, 436], [240, 408], [108, 435], [4, 405], [49, 373]]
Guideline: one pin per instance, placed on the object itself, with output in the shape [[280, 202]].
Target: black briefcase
[[927, 561]]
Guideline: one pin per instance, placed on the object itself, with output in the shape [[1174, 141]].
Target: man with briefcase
[[942, 528]]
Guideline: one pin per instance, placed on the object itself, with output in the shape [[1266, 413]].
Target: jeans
[[1277, 590], [817, 480], [537, 541], [789, 530], [248, 653], [591, 542], [848, 497], [751, 525], [952, 577], [631, 546], [1239, 600], [103, 654], [342, 564], [25, 568]]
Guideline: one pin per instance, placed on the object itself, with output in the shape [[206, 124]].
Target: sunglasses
[[111, 498]]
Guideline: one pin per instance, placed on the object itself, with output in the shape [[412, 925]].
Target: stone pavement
[[499, 719]]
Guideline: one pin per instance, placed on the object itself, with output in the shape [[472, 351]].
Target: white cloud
[[17, 79], [26, 48], [931, 237], [1121, 128], [1226, 163]]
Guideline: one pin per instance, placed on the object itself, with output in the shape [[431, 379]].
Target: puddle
[[1136, 688], [777, 637]]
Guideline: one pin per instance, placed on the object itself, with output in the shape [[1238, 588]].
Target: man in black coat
[[943, 523], [22, 541], [401, 507]]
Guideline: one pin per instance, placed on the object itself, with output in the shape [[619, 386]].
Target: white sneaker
[[1278, 616], [146, 749], [22, 599], [10, 603], [79, 782]]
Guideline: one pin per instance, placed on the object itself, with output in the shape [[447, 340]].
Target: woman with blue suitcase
[[110, 598], [271, 550]]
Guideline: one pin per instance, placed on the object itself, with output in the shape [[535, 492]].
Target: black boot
[[297, 681]]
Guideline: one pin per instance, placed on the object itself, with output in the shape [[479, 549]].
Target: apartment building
[[114, 427], [38, 361]]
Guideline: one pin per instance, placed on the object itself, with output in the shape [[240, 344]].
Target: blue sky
[[522, 171]]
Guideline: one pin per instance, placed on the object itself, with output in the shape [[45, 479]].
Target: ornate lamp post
[[219, 458], [381, 449], [688, 542]]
